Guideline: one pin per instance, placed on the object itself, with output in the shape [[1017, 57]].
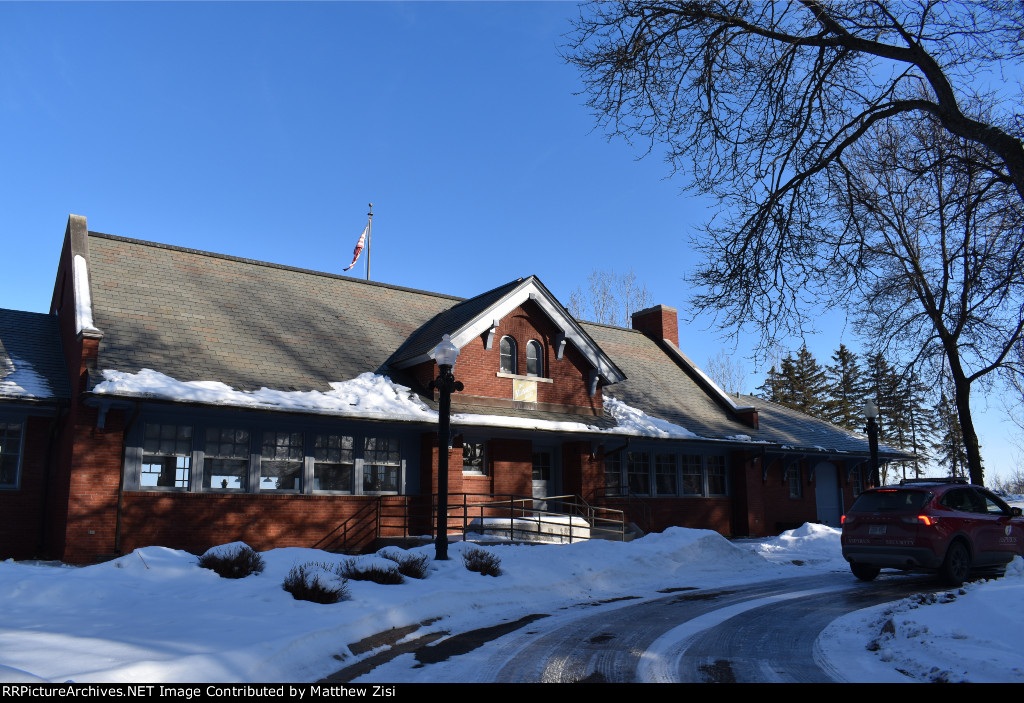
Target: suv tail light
[[927, 520]]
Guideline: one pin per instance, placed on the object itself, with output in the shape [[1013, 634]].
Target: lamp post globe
[[871, 413]]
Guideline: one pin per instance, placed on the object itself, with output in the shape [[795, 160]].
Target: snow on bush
[[235, 560]]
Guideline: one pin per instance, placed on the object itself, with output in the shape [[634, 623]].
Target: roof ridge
[[270, 264], [607, 325]]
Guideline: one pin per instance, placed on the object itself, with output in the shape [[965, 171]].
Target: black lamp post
[[445, 355], [871, 412]]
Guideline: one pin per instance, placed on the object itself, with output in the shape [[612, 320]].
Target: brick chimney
[[660, 321]]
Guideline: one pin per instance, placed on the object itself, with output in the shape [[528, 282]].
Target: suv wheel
[[863, 571], [956, 566]]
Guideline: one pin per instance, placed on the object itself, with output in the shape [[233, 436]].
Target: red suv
[[943, 525]]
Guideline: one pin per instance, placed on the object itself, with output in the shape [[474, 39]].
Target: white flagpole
[[369, 240]]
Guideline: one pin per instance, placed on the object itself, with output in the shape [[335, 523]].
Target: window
[[613, 474], [796, 489], [265, 454], [382, 465], [716, 476], [473, 458], [665, 474], [638, 473], [542, 466], [166, 456], [10, 454], [856, 481], [693, 475], [333, 463], [508, 351], [281, 461], [226, 464], [534, 359]]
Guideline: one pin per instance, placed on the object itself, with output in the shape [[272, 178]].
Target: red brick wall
[[781, 512], [477, 367], [21, 510], [701, 513], [197, 521], [512, 466], [580, 472], [92, 483]]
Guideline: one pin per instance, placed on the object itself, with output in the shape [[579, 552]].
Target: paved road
[[764, 632]]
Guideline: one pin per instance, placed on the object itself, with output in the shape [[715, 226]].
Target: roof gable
[[483, 314]]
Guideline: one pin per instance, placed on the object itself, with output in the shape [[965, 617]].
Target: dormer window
[[508, 355], [534, 359]]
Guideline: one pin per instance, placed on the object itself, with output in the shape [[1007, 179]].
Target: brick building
[[187, 399]]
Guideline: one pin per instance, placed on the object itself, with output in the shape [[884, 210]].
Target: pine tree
[[950, 451], [810, 389], [773, 387], [915, 423], [845, 403], [882, 387]]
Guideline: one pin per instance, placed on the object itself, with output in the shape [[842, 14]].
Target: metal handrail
[[524, 518]]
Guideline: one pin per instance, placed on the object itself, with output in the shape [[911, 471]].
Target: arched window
[[508, 355], [534, 361]]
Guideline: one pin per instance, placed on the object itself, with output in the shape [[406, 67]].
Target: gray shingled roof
[[659, 386], [31, 362], [198, 316], [446, 322]]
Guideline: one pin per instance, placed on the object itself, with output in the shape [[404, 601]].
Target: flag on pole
[[359, 248]]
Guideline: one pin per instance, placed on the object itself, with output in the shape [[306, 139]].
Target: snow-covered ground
[[156, 616]]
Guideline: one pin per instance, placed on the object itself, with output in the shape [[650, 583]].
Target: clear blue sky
[[263, 130]]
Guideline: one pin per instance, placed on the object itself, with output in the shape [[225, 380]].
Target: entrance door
[[545, 477], [827, 495]]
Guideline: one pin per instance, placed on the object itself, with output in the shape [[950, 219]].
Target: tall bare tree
[[768, 105], [930, 251], [727, 371], [610, 298]]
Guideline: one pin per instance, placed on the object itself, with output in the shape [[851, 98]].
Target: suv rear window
[[890, 501]]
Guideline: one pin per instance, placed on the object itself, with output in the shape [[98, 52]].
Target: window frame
[[512, 355], [795, 480], [691, 466], [351, 490], [538, 349], [190, 455], [289, 448], [257, 425], [484, 469], [19, 453]]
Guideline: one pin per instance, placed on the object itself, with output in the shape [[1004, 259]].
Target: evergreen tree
[[845, 403], [950, 451], [774, 386], [882, 387], [810, 388], [914, 424]]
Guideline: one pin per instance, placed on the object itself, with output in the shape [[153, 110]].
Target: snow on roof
[[368, 396], [20, 379], [83, 298]]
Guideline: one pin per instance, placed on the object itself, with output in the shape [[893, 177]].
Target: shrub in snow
[[383, 571], [315, 582], [232, 561], [412, 565], [481, 561]]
